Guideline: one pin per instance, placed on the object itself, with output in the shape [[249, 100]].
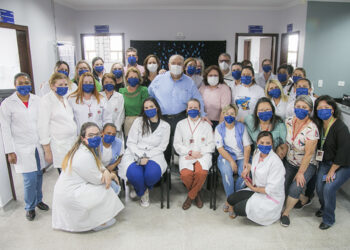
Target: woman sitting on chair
[[143, 163], [194, 143]]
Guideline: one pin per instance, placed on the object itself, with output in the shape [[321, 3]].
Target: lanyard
[[323, 137], [295, 134], [192, 132]]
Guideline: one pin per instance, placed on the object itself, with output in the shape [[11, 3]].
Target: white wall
[[37, 15]]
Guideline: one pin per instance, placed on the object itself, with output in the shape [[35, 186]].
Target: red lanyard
[[192, 132], [299, 130]]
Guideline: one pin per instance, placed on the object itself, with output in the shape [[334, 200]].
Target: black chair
[[211, 179]]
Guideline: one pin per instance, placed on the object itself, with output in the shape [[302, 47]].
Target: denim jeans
[[227, 176], [327, 191], [33, 186], [290, 185], [143, 177]]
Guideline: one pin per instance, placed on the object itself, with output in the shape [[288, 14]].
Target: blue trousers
[[143, 177], [33, 186], [227, 176], [327, 191]]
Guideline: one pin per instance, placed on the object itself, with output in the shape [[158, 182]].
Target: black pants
[[172, 120], [239, 201]]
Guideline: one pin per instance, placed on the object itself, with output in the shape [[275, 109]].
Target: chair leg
[[161, 192], [210, 179], [168, 183], [214, 187]]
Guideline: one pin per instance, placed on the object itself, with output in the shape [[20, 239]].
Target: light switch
[[320, 83], [341, 83]]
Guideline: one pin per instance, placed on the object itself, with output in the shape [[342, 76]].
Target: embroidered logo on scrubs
[[116, 109], [99, 112], [203, 139], [243, 102]]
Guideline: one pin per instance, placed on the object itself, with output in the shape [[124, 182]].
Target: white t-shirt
[[280, 108], [230, 141], [260, 79], [246, 99], [106, 156]]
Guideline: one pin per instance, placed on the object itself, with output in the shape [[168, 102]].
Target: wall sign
[[255, 29], [289, 28], [101, 29], [6, 16]]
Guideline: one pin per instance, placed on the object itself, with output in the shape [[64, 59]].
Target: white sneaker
[[132, 193], [144, 202]]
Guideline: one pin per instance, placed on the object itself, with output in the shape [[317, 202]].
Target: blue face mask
[[302, 91], [296, 78], [282, 77], [267, 68], [275, 93], [24, 89], [109, 87], [246, 80], [324, 114], [191, 70], [265, 149], [61, 91], [193, 113], [133, 81], [99, 69], [118, 73], [63, 72], [301, 113], [229, 119], [88, 88], [265, 116], [150, 113], [236, 74], [108, 138], [94, 142], [132, 60], [82, 71], [198, 71]]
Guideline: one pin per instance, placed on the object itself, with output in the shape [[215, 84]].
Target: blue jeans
[[33, 186], [143, 177], [327, 191], [227, 175]]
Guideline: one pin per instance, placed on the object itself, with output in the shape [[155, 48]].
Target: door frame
[[284, 47]]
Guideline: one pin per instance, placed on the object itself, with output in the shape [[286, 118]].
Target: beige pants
[[127, 124]]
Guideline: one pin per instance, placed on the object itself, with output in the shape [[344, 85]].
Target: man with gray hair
[[224, 62], [173, 90]]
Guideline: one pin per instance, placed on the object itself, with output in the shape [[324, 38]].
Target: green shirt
[[133, 101], [279, 133]]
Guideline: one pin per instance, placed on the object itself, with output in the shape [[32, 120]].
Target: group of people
[[274, 139]]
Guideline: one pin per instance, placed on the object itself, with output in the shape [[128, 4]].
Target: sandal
[[225, 208], [232, 214]]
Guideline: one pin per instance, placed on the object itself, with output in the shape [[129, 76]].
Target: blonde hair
[[134, 70], [230, 106], [58, 76], [284, 98], [79, 93], [67, 161]]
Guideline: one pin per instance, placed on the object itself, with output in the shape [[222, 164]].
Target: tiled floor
[[153, 228]]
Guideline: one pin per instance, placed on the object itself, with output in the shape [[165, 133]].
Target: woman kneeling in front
[[262, 201], [194, 142], [83, 199], [143, 163]]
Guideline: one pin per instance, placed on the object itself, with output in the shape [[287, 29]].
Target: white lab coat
[[45, 89], [115, 105], [20, 132], [81, 201], [151, 145], [265, 209], [280, 108], [56, 126], [100, 113], [203, 141]]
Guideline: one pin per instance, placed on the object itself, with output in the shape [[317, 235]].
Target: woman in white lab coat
[[115, 101], [82, 198], [274, 91], [63, 68], [143, 163], [88, 104], [56, 126], [263, 199], [21, 141], [194, 142]]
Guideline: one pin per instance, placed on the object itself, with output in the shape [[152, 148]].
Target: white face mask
[[213, 80], [223, 66], [152, 67], [176, 69]]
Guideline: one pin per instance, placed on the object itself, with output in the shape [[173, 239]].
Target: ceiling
[[178, 4]]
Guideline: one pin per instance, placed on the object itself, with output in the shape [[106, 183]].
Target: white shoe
[[132, 193], [144, 202], [105, 225]]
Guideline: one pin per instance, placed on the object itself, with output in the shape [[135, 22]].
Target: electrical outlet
[[320, 83], [341, 83]]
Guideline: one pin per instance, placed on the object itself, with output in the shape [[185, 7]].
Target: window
[[110, 47], [292, 56]]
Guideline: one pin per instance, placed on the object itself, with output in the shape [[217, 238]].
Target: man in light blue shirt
[[173, 90]]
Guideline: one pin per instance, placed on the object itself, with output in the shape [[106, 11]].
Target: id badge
[[89, 115], [191, 140], [319, 155]]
